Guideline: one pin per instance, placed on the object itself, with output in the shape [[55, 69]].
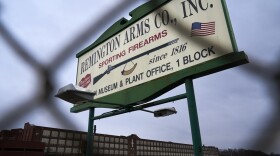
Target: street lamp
[[162, 112], [74, 94]]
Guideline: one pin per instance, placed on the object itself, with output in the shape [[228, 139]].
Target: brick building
[[69, 142]]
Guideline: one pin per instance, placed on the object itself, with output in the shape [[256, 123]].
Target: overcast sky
[[234, 105]]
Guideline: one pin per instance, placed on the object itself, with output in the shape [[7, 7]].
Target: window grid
[[71, 142]]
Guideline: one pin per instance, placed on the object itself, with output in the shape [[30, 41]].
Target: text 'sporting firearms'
[[110, 68]]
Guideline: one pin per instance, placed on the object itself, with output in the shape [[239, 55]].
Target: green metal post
[[90, 132], [198, 151]]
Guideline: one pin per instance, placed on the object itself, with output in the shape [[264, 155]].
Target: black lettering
[[159, 69], [132, 36], [82, 67], [121, 83], [197, 55], [108, 88], [184, 9], [158, 25], [101, 52], [108, 46], [137, 30], [86, 65], [140, 29], [201, 6], [210, 50], [187, 59], [98, 52], [95, 58], [193, 6], [126, 38], [134, 78], [157, 58], [147, 25], [118, 38], [204, 54], [100, 91], [165, 17]]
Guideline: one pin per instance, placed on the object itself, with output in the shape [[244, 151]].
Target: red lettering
[[147, 41], [164, 33], [151, 39], [140, 44]]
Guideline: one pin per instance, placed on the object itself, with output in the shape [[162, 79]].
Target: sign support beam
[[90, 132], [140, 107], [196, 137]]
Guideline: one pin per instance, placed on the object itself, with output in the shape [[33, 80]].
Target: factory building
[[73, 143]]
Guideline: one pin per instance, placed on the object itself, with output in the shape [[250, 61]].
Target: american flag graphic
[[203, 29]]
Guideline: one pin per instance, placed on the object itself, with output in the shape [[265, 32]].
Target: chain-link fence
[[45, 73]]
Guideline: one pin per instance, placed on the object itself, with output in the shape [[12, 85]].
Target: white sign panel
[[176, 36]]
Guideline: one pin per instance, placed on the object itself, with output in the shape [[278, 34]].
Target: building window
[[61, 142], [53, 141], [62, 135], [76, 143], [117, 152], [95, 145], [125, 147], [77, 136], [106, 145], [112, 140], [107, 139], [121, 140], [45, 140], [106, 151], [111, 145], [76, 151], [52, 149], [101, 138], [121, 152], [69, 135], [60, 150], [69, 143], [101, 151], [46, 133], [54, 134], [68, 150], [111, 152], [95, 138]]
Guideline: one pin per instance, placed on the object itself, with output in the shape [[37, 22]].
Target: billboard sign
[[163, 43]]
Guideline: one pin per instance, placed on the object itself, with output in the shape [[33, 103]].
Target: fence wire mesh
[[268, 75]]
